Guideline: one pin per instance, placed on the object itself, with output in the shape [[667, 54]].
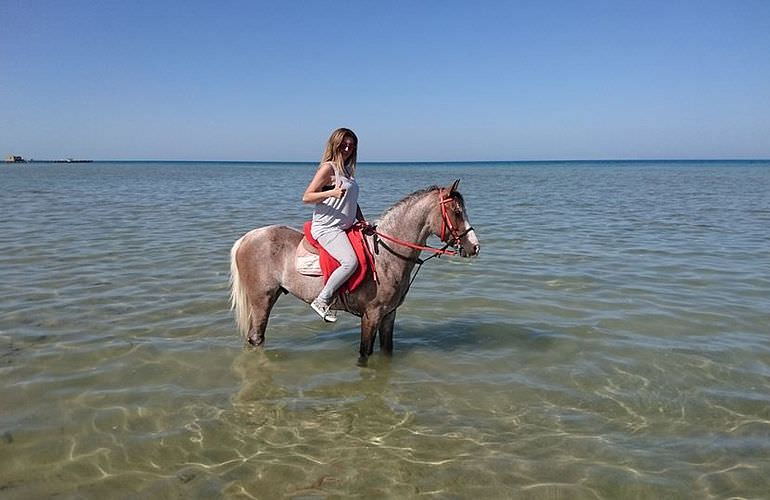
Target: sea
[[611, 340]]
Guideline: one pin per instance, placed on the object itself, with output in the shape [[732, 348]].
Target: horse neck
[[410, 222]]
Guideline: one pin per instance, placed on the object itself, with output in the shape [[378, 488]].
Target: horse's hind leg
[[261, 305], [386, 333]]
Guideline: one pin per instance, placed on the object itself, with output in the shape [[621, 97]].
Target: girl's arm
[[323, 177]]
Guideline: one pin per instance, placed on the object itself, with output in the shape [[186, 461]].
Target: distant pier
[[20, 159]]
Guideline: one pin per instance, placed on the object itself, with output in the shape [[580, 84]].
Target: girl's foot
[[322, 309]]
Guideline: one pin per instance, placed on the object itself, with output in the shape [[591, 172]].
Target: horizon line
[[134, 160]]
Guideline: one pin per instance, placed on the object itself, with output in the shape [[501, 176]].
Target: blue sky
[[418, 81]]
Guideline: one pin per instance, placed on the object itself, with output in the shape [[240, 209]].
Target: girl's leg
[[339, 247]]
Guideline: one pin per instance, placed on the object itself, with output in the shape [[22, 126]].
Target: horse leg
[[260, 313], [386, 333], [369, 323]]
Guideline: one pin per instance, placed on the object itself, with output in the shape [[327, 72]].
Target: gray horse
[[262, 266]]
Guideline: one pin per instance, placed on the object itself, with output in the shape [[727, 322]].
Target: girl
[[334, 191]]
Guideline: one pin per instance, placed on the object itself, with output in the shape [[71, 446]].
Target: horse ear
[[453, 187]]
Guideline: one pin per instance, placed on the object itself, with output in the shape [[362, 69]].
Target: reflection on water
[[610, 342]]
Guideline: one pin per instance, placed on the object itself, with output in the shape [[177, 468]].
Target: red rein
[[414, 245]]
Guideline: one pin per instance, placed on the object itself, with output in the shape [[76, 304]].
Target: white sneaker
[[322, 310]]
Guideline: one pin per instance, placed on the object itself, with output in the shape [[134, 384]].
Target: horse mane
[[413, 196]]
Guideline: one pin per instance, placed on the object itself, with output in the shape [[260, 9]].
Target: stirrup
[[323, 310]]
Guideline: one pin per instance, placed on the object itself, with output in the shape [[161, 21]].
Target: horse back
[[267, 248]]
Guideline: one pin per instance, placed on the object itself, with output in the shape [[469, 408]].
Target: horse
[[262, 266]]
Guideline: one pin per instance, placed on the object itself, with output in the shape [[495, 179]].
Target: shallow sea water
[[611, 340]]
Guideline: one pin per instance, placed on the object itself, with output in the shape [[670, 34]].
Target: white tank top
[[333, 214]]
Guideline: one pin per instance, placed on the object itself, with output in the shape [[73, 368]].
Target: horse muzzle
[[468, 244], [468, 251]]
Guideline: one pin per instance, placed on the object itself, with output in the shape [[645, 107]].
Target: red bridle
[[446, 222]]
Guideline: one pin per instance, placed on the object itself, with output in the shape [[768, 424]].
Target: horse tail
[[238, 299]]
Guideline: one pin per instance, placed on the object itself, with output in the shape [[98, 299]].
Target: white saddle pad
[[307, 263]]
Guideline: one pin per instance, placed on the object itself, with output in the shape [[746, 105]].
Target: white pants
[[338, 245]]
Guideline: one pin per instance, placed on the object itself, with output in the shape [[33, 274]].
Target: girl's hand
[[367, 228], [337, 192]]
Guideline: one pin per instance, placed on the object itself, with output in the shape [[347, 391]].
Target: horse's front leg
[[370, 321], [386, 333]]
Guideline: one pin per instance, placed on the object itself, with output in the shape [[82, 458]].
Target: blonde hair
[[333, 153]]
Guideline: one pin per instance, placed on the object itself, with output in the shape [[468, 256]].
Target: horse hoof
[[362, 361], [256, 341]]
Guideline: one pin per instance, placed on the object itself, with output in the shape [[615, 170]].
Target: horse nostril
[[476, 249]]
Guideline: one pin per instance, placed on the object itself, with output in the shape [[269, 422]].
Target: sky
[[416, 80]]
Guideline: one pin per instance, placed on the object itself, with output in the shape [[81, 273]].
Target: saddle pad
[[307, 263]]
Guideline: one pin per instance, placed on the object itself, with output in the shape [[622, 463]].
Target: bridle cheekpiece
[[446, 223]]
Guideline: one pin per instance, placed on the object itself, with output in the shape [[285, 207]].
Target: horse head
[[454, 227]]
